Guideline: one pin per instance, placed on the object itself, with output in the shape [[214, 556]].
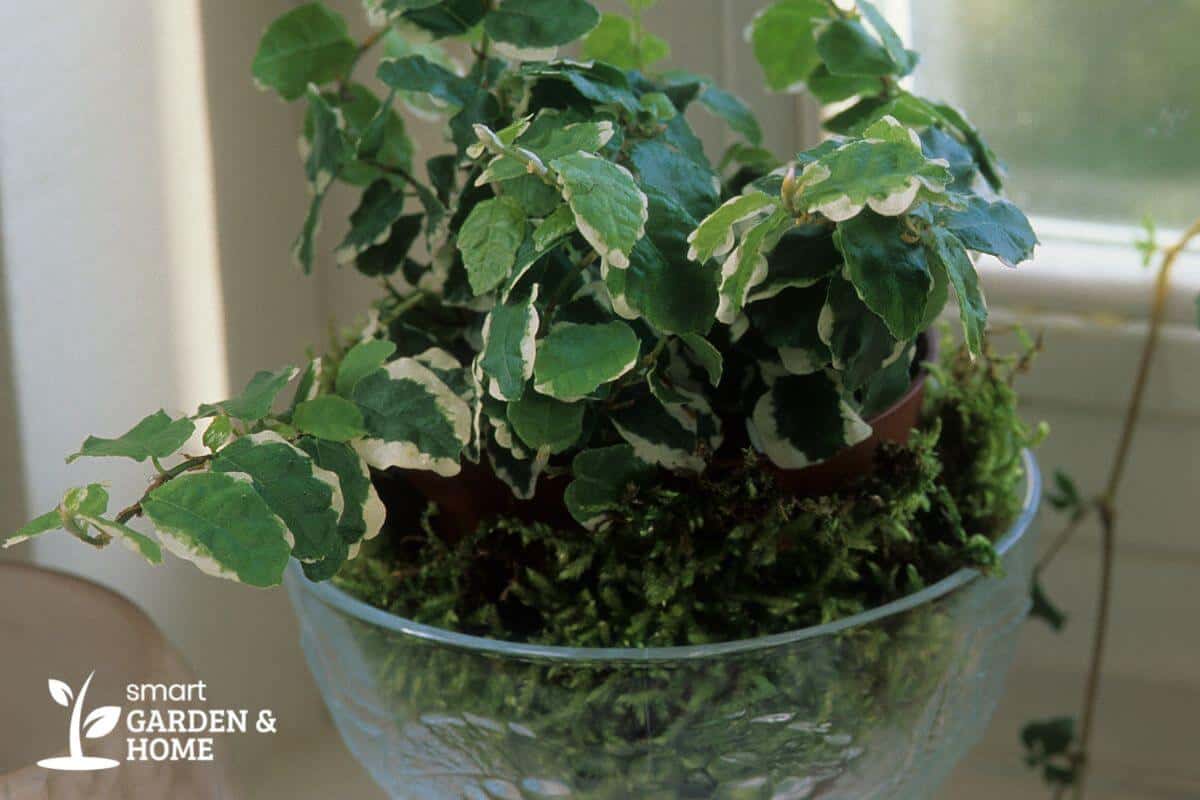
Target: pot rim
[[334, 597]]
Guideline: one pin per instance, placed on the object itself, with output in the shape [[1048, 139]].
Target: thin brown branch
[[363, 46], [1106, 505], [186, 465]]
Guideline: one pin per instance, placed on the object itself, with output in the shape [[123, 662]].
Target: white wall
[[123, 295]]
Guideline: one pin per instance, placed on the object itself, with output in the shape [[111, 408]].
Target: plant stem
[[1106, 504], [363, 46], [187, 465], [837, 10]]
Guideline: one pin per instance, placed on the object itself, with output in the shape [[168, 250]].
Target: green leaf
[[222, 525], [303, 247], [889, 385], [307, 498], [746, 266], [829, 88], [489, 240], [859, 342], [1044, 609], [891, 276], [784, 41], [373, 134], [1050, 744], [848, 49], [706, 355], [601, 83], [904, 59], [553, 229], [509, 348], [156, 436], [989, 164], [329, 147], [443, 175], [610, 210], [886, 170], [543, 422], [730, 108], [91, 499], [714, 237], [672, 294], [574, 359], [802, 420], [996, 227], [308, 44], [360, 361], [413, 419], [363, 513], [548, 138], [1147, 243], [449, 17], [371, 223], [536, 24], [329, 417], [666, 433], [377, 131], [50, 521], [137, 541], [1064, 494], [804, 256], [520, 474], [603, 480], [972, 308], [616, 41], [386, 258], [256, 399], [666, 171], [788, 322], [218, 432], [418, 74]]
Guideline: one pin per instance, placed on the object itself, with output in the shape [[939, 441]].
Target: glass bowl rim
[[338, 599]]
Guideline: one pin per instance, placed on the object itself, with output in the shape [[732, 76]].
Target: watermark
[[152, 733]]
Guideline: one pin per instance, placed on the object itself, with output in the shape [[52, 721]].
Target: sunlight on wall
[[194, 276]]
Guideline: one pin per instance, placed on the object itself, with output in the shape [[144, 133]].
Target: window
[[1092, 103]]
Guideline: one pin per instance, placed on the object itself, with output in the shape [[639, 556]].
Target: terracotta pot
[[892, 425], [476, 493]]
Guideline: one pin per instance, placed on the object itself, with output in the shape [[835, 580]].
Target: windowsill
[[1092, 272]]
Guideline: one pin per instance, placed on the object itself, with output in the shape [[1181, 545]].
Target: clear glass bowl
[[878, 705]]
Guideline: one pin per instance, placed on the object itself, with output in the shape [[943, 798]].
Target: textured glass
[[880, 705]]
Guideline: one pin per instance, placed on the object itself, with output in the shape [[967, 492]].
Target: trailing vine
[[1055, 745]]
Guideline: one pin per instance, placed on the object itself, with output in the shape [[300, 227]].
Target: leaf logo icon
[[61, 693], [100, 722]]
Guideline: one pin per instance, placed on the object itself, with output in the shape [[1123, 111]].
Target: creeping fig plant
[[573, 291]]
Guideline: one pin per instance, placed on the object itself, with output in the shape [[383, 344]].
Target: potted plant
[[677, 496]]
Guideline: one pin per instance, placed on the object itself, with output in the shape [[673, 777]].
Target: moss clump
[[727, 555]]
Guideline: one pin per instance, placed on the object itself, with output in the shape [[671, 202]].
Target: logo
[[100, 722], [173, 733]]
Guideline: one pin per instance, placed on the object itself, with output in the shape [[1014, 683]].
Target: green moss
[[727, 555]]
